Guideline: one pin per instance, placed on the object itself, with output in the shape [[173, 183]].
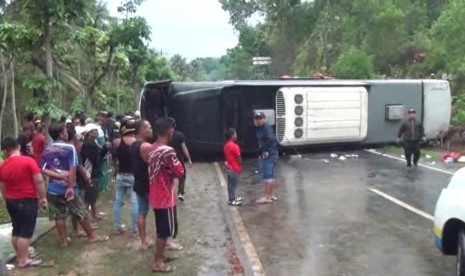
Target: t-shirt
[[232, 153], [59, 157], [38, 145], [176, 142], [25, 145], [164, 166], [16, 173]]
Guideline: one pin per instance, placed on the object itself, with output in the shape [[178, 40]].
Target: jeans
[[124, 185], [268, 166], [232, 184]]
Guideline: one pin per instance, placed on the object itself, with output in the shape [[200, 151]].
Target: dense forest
[[58, 57]]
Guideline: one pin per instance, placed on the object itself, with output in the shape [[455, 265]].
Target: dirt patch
[[208, 248]]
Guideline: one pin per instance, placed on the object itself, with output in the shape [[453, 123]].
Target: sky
[[191, 28]]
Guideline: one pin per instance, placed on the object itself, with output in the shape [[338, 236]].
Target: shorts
[[23, 213], [143, 202], [59, 208], [269, 165], [166, 221]]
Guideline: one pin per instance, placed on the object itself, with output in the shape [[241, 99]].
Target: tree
[[355, 64]]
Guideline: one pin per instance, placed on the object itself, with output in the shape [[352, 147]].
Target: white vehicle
[[449, 220]]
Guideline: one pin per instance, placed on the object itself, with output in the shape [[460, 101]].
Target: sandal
[[80, 234], [263, 200], [164, 268], [30, 263], [174, 247]]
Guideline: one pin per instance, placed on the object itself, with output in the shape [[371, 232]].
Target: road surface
[[328, 220]]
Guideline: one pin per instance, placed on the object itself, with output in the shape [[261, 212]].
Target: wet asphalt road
[[327, 222]]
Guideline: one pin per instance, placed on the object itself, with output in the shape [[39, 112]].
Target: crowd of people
[[67, 173]]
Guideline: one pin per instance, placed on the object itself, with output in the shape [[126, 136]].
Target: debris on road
[[333, 155]]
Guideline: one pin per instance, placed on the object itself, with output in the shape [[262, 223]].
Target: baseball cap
[[259, 115], [411, 110], [90, 127]]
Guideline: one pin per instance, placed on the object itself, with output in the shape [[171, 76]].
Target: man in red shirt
[[23, 189], [232, 154], [38, 141], [164, 167]]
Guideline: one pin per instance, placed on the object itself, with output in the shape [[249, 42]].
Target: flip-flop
[[263, 201], [164, 269], [30, 263], [175, 247], [80, 235]]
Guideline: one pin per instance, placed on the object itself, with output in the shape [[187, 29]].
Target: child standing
[[232, 154]]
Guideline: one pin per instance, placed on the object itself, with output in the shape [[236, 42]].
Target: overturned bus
[[304, 113]]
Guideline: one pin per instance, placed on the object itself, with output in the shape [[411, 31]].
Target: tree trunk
[[136, 91], [13, 98], [5, 92], [48, 49], [88, 97]]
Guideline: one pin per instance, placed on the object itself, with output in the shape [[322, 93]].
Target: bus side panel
[[437, 107], [383, 94]]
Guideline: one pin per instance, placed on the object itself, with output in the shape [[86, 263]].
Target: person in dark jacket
[[269, 156], [412, 133], [91, 156]]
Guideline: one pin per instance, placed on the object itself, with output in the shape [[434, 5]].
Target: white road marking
[[401, 159], [402, 204], [249, 248]]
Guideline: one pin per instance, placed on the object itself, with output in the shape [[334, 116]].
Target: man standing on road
[[412, 134], [23, 189], [232, 154], [179, 144], [140, 151], [164, 167], [269, 156]]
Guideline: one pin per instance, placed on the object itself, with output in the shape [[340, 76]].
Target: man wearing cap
[[269, 156], [92, 156], [412, 133]]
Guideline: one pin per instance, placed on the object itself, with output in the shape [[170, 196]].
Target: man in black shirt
[[25, 140], [412, 133], [178, 142]]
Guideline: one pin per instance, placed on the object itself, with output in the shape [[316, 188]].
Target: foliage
[[355, 64], [72, 56]]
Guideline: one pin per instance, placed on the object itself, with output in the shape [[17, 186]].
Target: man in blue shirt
[[269, 156], [59, 162]]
